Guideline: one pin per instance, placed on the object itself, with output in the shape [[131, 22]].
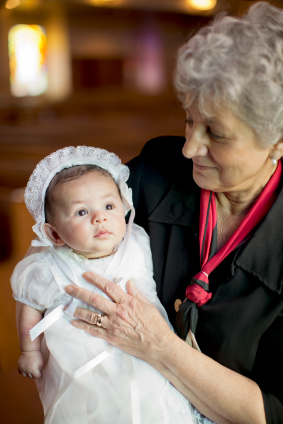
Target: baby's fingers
[[30, 364], [22, 373], [35, 374]]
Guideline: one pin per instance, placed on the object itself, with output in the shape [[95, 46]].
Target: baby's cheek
[[77, 233]]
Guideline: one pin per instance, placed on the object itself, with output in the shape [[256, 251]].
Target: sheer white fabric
[[102, 395]]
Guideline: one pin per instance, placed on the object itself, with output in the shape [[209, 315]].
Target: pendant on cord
[[177, 304]]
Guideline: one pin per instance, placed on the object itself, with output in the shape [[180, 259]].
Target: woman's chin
[[205, 182]]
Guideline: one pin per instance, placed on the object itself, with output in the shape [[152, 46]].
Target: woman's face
[[226, 153]]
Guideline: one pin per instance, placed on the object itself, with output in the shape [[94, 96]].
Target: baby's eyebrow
[[79, 201], [109, 195], [73, 202]]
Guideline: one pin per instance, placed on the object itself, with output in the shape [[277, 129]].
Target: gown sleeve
[[33, 282]]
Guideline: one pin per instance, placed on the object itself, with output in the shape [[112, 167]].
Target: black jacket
[[241, 327]]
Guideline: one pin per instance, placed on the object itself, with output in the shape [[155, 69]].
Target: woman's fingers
[[93, 299], [119, 309], [111, 289], [92, 317], [105, 331], [90, 329], [134, 291]]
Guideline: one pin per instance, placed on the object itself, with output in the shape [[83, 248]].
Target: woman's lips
[[203, 167]]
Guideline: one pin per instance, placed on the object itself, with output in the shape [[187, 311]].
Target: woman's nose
[[196, 143], [98, 217]]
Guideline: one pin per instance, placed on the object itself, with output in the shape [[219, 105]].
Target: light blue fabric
[[199, 418]]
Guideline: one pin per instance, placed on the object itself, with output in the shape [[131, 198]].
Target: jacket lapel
[[178, 207]]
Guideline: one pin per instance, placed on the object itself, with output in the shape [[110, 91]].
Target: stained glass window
[[27, 53]]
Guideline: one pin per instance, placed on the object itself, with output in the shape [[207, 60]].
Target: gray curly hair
[[237, 63]]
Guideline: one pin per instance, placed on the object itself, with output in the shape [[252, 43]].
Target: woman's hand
[[135, 326], [130, 322]]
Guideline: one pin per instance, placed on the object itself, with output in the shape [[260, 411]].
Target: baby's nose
[[98, 217]]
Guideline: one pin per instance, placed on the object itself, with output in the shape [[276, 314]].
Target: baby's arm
[[31, 360]]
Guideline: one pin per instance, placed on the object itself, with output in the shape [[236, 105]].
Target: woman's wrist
[[165, 353]]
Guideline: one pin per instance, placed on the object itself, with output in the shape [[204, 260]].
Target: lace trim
[[177, 409], [66, 253], [199, 418]]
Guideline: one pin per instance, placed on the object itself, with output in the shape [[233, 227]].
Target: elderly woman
[[212, 205]]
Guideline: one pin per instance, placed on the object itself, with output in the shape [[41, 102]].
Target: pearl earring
[[274, 161]]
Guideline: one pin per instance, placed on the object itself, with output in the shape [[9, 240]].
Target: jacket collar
[[181, 207], [177, 207]]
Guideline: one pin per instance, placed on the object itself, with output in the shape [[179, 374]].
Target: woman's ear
[[52, 235], [277, 150]]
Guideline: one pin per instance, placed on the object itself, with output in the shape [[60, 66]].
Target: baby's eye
[[82, 212], [109, 207]]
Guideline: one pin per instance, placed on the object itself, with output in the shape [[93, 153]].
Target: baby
[[79, 198]]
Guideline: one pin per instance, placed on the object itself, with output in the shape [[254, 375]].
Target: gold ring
[[99, 320]]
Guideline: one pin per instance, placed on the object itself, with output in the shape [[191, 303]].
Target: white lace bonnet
[[66, 158]]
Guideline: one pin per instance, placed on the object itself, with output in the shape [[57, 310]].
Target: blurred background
[[73, 72]]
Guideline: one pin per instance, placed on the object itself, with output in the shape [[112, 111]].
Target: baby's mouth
[[102, 233]]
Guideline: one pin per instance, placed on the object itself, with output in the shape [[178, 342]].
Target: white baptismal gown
[[103, 394]]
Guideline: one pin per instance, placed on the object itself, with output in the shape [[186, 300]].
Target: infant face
[[89, 215]]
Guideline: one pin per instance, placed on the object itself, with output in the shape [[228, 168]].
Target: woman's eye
[[109, 207], [212, 135], [190, 122], [82, 212]]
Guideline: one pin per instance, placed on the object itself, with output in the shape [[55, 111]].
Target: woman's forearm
[[219, 393], [133, 325]]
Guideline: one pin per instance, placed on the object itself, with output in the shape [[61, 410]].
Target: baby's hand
[[30, 364]]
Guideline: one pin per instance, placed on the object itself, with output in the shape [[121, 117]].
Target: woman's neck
[[238, 203], [232, 207], [234, 204]]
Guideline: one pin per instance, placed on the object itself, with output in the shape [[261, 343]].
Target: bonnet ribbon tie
[[197, 292]]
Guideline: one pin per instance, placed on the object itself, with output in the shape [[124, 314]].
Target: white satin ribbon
[[81, 371], [46, 322], [136, 416], [38, 243]]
